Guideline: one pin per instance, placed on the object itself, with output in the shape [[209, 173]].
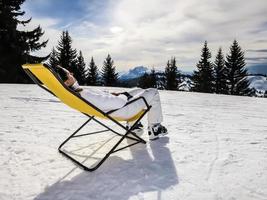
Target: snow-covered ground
[[216, 149]]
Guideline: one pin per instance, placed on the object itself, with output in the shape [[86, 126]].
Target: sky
[[150, 32]]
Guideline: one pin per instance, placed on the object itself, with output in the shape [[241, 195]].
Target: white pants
[[152, 97]]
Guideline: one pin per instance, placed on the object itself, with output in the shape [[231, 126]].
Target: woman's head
[[66, 76], [62, 73]]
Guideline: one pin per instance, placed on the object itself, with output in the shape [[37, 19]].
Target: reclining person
[[111, 101]]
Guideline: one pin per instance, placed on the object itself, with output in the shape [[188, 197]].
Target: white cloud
[[138, 32], [51, 33], [116, 29]]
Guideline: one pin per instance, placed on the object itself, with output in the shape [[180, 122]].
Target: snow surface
[[216, 149]]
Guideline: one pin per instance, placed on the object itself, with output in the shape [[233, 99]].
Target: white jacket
[[104, 100]]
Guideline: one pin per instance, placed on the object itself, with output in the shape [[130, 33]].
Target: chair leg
[[137, 138], [75, 132], [114, 149]]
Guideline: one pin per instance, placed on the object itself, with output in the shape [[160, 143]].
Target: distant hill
[[139, 71], [131, 77], [134, 73], [257, 69]]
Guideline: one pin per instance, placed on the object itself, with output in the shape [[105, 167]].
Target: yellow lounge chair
[[47, 79]]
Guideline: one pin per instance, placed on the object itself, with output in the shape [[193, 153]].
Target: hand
[[116, 94]]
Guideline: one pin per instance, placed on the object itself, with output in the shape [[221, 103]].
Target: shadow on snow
[[120, 179]]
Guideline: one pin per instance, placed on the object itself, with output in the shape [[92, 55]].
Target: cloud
[[137, 32], [50, 33], [257, 50], [257, 59]]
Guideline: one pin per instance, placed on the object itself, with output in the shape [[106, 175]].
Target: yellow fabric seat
[[52, 82]]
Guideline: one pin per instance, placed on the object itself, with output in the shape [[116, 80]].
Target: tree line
[[223, 76], [169, 80], [66, 56]]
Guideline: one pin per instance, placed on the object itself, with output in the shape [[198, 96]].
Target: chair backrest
[[49, 80]]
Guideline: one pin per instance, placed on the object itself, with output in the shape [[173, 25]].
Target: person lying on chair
[[111, 101]]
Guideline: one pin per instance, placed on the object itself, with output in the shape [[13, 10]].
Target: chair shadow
[[119, 179]]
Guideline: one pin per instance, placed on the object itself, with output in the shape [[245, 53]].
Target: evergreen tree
[[167, 71], [153, 78], [53, 61], [67, 56], [253, 92], [220, 74], [109, 75], [16, 45], [92, 73], [236, 71], [196, 81], [145, 81], [81, 69], [148, 80], [171, 75], [203, 77]]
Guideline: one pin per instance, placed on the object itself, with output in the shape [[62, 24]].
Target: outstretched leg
[[135, 91], [153, 99]]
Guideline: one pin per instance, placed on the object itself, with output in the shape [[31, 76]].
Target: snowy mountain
[[136, 72], [257, 69], [258, 82], [139, 71], [216, 149]]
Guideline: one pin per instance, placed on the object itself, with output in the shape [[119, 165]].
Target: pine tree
[[203, 77], [16, 45], [148, 80], [67, 56], [153, 78], [145, 81], [81, 70], [220, 74], [167, 72], [171, 75], [196, 85], [253, 92], [92, 77], [53, 61], [236, 71], [109, 75]]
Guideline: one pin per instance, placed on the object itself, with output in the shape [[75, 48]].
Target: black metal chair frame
[[128, 130]]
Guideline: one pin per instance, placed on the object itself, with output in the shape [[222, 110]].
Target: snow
[[216, 149], [258, 82]]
